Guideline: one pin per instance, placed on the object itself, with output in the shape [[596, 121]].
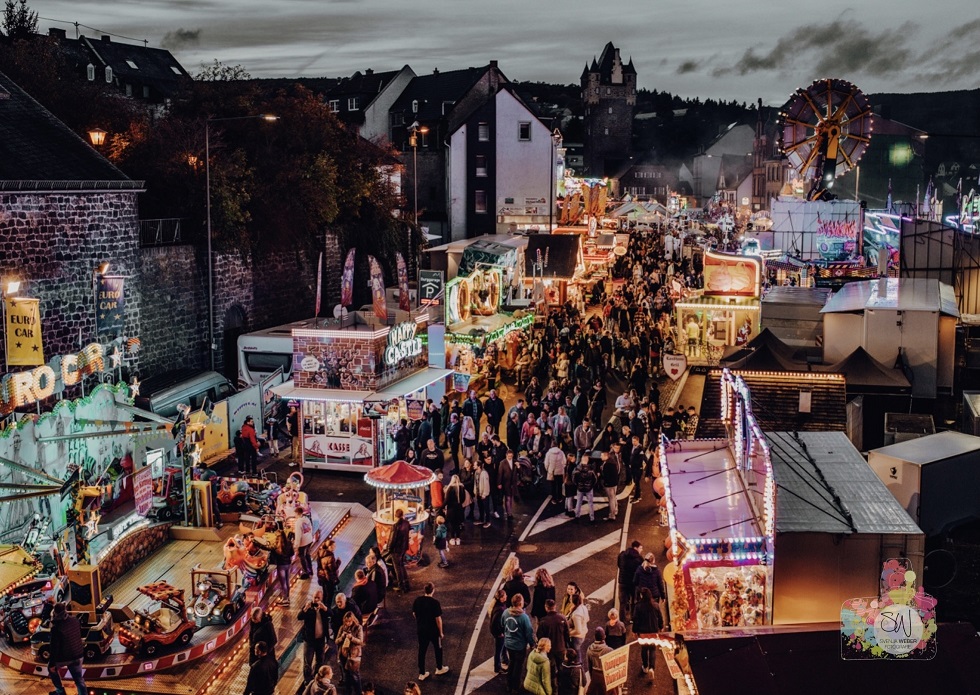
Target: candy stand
[[401, 486]]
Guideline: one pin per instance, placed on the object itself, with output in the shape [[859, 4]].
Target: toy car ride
[[20, 610], [218, 596], [96, 636], [165, 627]]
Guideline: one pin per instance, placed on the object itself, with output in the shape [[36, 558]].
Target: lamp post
[[556, 141], [207, 176], [413, 141]]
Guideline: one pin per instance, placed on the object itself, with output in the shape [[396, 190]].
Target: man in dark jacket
[[514, 432], [609, 472], [494, 409], [341, 607], [67, 649], [629, 561], [424, 435], [585, 483], [403, 439], [554, 626], [516, 585], [474, 408], [260, 629], [398, 546], [432, 457], [264, 672], [316, 628], [507, 483], [637, 464]]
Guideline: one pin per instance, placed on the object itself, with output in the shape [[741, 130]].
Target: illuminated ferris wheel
[[826, 129]]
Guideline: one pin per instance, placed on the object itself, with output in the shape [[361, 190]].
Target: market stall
[[726, 311], [355, 380], [552, 264], [402, 486]]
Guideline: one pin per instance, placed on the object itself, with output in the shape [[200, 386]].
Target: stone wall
[[52, 243]]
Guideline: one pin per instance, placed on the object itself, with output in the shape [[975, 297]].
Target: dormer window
[[90, 72], [415, 106], [132, 65], [108, 75], [176, 70]]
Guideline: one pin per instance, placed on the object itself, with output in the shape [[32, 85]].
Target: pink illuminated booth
[[719, 499]]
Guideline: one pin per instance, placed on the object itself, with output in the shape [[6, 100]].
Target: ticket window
[[329, 418]]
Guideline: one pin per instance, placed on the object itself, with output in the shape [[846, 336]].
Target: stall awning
[[483, 252], [410, 384], [290, 392], [738, 303]]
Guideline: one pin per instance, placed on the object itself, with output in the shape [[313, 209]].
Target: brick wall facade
[[53, 242]]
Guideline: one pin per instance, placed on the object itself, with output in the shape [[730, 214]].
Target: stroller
[[528, 474]]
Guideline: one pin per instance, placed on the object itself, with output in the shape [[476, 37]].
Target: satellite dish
[[339, 311]]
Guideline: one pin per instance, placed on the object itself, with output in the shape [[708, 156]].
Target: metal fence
[[161, 232]]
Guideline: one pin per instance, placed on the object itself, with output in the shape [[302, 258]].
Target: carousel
[[401, 486]]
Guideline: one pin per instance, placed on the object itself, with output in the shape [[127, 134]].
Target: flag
[[319, 284], [110, 310], [888, 204], [377, 283], [404, 298], [959, 195], [23, 331], [927, 201], [347, 280]]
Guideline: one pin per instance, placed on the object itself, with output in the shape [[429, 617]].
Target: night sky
[[739, 49]]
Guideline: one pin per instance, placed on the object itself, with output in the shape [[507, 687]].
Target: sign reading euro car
[[19, 389], [402, 344]]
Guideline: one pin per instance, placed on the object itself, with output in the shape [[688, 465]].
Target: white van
[[261, 353]]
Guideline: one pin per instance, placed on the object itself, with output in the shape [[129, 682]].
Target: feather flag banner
[[347, 280], [319, 285], [377, 283], [404, 298]]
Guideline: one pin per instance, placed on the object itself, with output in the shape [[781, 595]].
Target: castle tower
[[609, 97]]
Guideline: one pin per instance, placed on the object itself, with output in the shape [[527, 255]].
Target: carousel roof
[[399, 474]]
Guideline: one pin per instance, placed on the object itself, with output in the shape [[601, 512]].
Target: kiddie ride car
[[165, 627], [20, 610], [97, 636], [218, 595]]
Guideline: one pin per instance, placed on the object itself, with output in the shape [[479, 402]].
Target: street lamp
[[413, 142], [556, 141], [97, 136], [207, 176]]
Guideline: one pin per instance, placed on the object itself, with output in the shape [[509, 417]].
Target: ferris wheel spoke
[[841, 110], [855, 117], [809, 160], [816, 109], [796, 145], [859, 138], [796, 122], [843, 153]]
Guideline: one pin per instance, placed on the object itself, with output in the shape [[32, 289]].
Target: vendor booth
[[552, 263], [726, 311], [355, 379], [401, 486]]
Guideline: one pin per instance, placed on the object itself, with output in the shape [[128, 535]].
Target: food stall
[[720, 509], [726, 311], [552, 263], [402, 486], [355, 379]]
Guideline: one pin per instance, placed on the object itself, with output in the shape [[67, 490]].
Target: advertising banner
[[461, 382], [143, 490], [377, 283], [347, 280], [404, 298], [325, 449], [731, 275], [110, 297], [615, 665], [241, 405], [415, 408], [23, 331]]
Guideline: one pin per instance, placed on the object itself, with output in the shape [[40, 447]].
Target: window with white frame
[[334, 105], [481, 165], [483, 132], [524, 131], [353, 104], [480, 202]]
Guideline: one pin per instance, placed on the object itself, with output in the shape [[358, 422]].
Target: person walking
[[615, 630], [568, 483], [609, 471], [472, 407], [518, 638], [453, 436], [637, 463], [303, 530], [517, 586], [554, 626], [554, 466], [456, 499], [647, 620], [468, 435], [377, 574], [585, 483], [341, 607], [481, 486], [598, 648], [428, 622], [322, 684], [544, 590], [648, 577], [493, 408], [441, 541], [496, 612], [398, 546], [260, 629], [263, 674], [272, 431], [538, 680], [350, 639], [295, 435], [281, 555], [628, 562], [328, 567], [403, 440], [67, 649], [507, 483], [316, 628], [579, 629], [251, 448], [583, 437], [571, 678]]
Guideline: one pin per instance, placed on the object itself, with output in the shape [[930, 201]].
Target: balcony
[[160, 232]]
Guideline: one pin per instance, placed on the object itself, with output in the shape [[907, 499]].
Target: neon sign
[[19, 389], [402, 343]]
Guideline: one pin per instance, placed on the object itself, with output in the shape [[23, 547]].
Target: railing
[[160, 232]]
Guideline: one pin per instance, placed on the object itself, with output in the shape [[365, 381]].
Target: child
[[441, 540], [615, 630]]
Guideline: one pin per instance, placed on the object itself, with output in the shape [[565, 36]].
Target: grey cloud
[[688, 66], [181, 38], [965, 30]]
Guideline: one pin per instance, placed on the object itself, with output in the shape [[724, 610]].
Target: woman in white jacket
[[481, 486], [554, 466], [468, 434]]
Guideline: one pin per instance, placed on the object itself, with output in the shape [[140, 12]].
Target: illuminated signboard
[[730, 275], [476, 294], [402, 343], [19, 389]]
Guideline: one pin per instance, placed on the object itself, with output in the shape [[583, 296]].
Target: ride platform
[[179, 672]]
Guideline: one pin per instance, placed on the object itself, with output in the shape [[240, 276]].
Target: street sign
[[431, 286]]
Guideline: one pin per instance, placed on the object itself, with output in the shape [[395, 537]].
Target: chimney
[[57, 33], [106, 38], [435, 71], [493, 63], [369, 71]]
